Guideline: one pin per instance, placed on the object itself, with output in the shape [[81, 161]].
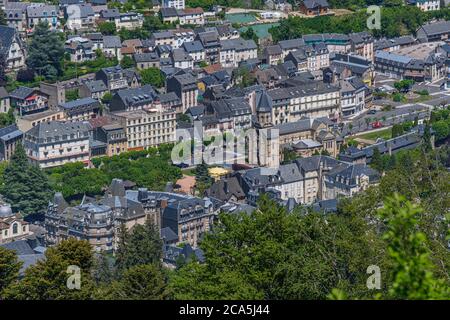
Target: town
[[299, 104]]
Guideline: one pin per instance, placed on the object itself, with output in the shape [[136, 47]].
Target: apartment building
[[79, 17], [184, 85], [352, 96], [425, 5], [81, 109], [113, 77], [80, 49], [191, 16], [27, 100], [10, 137], [177, 4], [25, 123], [50, 144], [234, 51], [42, 13]]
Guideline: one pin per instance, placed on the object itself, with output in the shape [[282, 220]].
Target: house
[[352, 96], [81, 109], [169, 15], [181, 59], [113, 77], [290, 45], [434, 31], [27, 100], [346, 65], [12, 226], [50, 144], [192, 16], [164, 38], [195, 50], [95, 89], [111, 47], [226, 190], [42, 13], [29, 251], [129, 20], [211, 44], [362, 44], [80, 49], [314, 7], [10, 137], [5, 101], [16, 15], [112, 135], [273, 54], [425, 5], [227, 32], [12, 49], [234, 111], [146, 60], [233, 51], [184, 85], [182, 35], [177, 4], [83, 21], [394, 44], [336, 42], [133, 99]]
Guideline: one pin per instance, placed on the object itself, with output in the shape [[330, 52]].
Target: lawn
[[384, 134]]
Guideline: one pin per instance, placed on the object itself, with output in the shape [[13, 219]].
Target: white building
[[177, 4], [55, 143], [12, 48], [236, 50], [426, 5]]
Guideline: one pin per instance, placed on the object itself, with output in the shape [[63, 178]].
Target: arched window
[[15, 226]]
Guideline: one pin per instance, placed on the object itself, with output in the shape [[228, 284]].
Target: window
[[15, 226]]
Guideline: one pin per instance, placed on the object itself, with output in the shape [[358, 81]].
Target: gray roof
[[96, 86], [238, 44], [274, 49], [436, 28], [146, 57], [42, 11], [304, 90], [291, 44], [169, 12], [7, 35], [392, 57], [10, 132], [112, 42], [179, 55], [110, 13], [85, 10], [137, 96], [21, 93], [80, 103], [49, 131], [3, 93], [311, 4], [193, 46]]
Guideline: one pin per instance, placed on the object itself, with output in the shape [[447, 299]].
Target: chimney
[[225, 186]]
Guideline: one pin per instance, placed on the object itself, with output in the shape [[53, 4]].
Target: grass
[[384, 134], [188, 172]]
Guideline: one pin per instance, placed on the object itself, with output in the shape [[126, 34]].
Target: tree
[[376, 161], [72, 95], [2, 18], [413, 268], [107, 28], [3, 77], [152, 76], [250, 34], [45, 53], [9, 268], [127, 62], [273, 254], [8, 118], [397, 130], [48, 279], [140, 282], [142, 245], [403, 85], [28, 189], [203, 179], [107, 98]]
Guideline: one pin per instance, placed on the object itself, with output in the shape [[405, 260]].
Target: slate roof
[[21, 93], [193, 46], [96, 86], [273, 50], [7, 35], [3, 93], [146, 57], [112, 42], [291, 44], [312, 4], [42, 11], [137, 96], [169, 12], [10, 132], [436, 28], [226, 188], [60, 130]]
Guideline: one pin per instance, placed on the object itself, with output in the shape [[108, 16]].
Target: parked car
[[377, 124]]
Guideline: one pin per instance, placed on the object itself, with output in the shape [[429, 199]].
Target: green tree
[[46, 52], [141, 245], [28, 188], [250, 34], [107, 98], [140, 282], [441, 129], [2, 18], [127, 62], [413, 267], [72, 95], [203, 179], [47, 280], [376, 162], [152, 76], [9, 268], [7, 119], [107, 28]]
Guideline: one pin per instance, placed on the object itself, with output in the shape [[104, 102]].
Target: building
[[169, 15], [434, 31], [10, 137], [25, 123], [352, 96], [16, 15], [55, 143], [211, 44], [113, 77], [185, 87], [191, 16], [177, 4], [233, 51], [310, 100], [27, 100], [235, 112], [425, 5], [181, 59], [81, 109], [111, 47], [5, 101], [80, 18], [94, 89], [195, 50], [12, 226], [12, 49], [112, 135], [314, 7], [80, 49], [42, 13], [394, 44], [133, 99], [273, 54], [146, 60], [362, 44]]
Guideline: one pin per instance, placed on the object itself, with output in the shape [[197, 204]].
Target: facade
[[42, 13], [55, 143], [233, 51], [192, 16], [185, 87], [80, 49], [177, 4], [79, 17], [5, 101], [25, 123], [94, 89], [12, 48], [425, 5], [352, 96], [273, 54], [81, 109], [10, 137], [28, 101], [12, 226], [314, 7], [113, 77], [434, 31]]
